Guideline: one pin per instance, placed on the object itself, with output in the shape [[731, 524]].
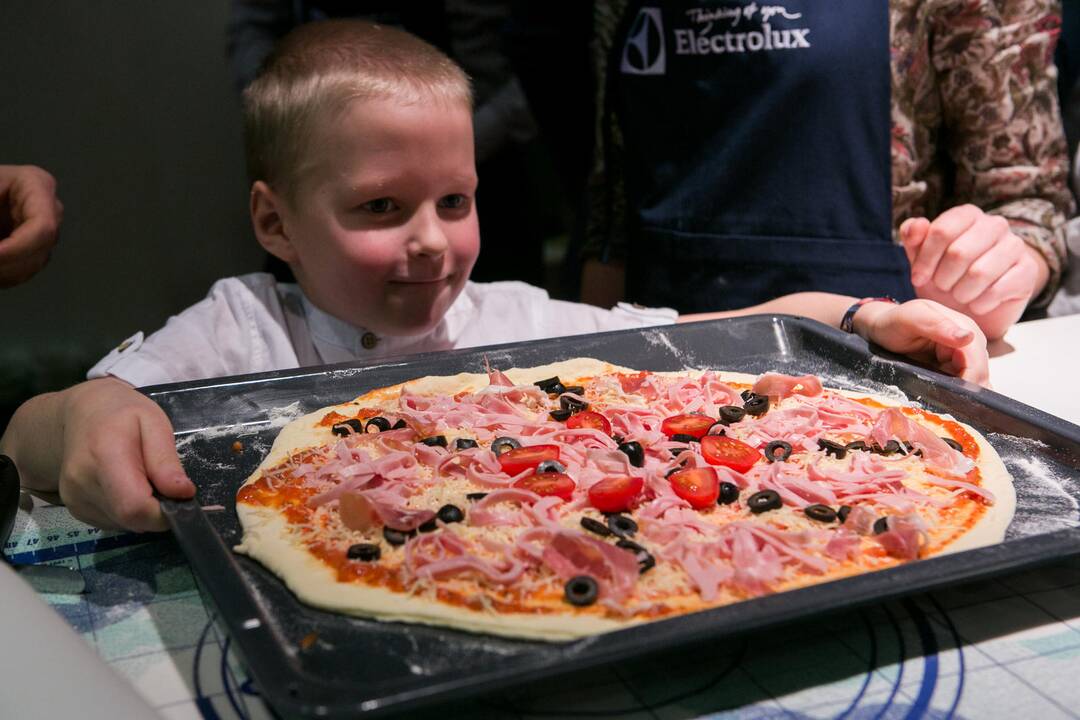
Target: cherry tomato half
[[700, 487], [693, 425], [589, 419], [549, 483], [615, 494], [524, 458], [729, 452]]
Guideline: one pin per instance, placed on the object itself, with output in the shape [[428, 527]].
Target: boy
[[360, 141]]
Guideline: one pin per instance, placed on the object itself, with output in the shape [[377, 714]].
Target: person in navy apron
[[761, 155]]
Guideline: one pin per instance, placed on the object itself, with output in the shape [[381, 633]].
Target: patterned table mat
[[1008, 647]]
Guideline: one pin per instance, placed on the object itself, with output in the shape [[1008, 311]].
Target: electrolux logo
[[644, 52]]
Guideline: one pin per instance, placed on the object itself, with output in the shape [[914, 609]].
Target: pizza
[[577, 498]]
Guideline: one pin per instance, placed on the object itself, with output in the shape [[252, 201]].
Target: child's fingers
[[125, 489], [972, 364], [925, 320], [160, 459]]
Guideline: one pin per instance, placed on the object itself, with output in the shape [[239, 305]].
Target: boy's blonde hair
[[317, 71]]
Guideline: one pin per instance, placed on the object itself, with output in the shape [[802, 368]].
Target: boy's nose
[[428, 236]]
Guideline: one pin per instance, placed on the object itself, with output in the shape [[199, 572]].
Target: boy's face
[[383, 231]]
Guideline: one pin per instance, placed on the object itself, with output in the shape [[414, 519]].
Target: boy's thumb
[[161, 462]]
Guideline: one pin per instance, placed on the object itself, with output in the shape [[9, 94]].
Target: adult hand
[[972, 262], [930, 333], [117, 448], [30, 216]]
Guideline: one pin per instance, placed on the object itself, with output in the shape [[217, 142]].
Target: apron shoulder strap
[[299, 334]]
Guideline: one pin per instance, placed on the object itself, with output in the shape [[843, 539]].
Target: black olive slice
[[435, 441], [622, 525], [837, 450], [644, 558], [842, 513], [746, 394], [729, 493], [881, 525], [396, 537], [581, 590], [683, 438], [429, 526], [575, 389], [368, 552], [731, 414], [856, 446], [476, 496], [347, 427], [891, 448], [777, 451], [757, 405], [450, 514], [821, 513], [764, 500], [953, 444], [634, 452], [595, 526], [572, 404], [560, 415], [547, 385], [675, 452], [502, 444], [378, 422], [465, 444], [400, 424], [550, 466]]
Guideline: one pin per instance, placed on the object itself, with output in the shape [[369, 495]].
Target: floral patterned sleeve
[[1000, 119]]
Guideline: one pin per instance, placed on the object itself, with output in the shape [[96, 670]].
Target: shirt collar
[[337, 341]]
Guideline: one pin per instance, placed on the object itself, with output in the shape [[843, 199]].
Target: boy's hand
[[972, 262], [930, 333], [117, 448]]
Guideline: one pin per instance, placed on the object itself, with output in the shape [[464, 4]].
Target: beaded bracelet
[[847, 323]]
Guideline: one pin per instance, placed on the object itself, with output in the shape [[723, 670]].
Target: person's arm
[[1001, 247], [30, 215], [103, 447], [923, 330]]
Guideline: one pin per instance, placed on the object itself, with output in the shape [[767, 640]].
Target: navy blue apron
[[757, 151]]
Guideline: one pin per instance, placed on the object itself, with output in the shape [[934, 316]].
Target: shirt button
[[369, 341]]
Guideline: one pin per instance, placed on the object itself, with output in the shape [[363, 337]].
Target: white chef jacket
[[252, 323]]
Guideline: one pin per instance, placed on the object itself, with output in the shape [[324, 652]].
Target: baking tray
[[310, 663]]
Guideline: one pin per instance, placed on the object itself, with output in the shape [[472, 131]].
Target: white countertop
[[1037, 364]]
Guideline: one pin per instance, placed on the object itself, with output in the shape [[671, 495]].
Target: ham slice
[[776, 385], [380, 506], [570, 554], [904, 537], [892, 424]]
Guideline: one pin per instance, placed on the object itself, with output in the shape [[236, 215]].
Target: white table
[[1037, 364]]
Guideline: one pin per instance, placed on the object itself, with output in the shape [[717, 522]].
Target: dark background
[[129, 104]]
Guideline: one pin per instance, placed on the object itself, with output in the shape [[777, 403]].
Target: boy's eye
[[379, 206], [453, 202]]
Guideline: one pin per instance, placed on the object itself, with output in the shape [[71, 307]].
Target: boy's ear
[[268, 220]]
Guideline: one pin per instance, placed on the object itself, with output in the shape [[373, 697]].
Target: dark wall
[[130, 105]]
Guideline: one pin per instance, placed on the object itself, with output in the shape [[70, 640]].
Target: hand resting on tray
[[104, 447]]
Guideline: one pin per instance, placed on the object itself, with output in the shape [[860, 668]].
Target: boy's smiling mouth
[[420, 281]]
